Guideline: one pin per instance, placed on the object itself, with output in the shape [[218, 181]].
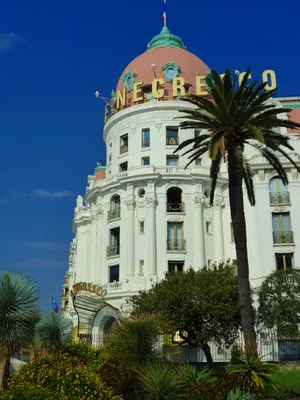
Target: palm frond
[[248, 179], [214, 174]]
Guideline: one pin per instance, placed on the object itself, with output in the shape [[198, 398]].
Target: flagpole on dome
[[164, 18]]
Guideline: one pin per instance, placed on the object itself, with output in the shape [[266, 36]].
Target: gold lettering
[[200, 85], [269, 77], [156, 92], [178, 85], [136, 91], [241, 77], [121, 98]]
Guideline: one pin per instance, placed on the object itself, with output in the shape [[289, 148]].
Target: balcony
[[114, 214], [113, 251], [123, 149], [176, 245], [283, 237], [279, 198], [174, 207]]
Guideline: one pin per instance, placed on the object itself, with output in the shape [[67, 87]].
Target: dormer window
[[171, 70], [128, 80]]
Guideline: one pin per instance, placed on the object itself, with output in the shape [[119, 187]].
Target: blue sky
[[55, 55]]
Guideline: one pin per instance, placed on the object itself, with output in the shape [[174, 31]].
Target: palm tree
[[53, 333], [233, 118], [19, 313]]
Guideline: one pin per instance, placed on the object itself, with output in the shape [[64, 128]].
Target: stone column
[[151, 210], [218, 231], [100, 248], [199, 238], [93, 246], [130, 238]]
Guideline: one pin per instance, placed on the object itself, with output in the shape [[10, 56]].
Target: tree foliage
[[232, 119], [279, 302], [200, 305]]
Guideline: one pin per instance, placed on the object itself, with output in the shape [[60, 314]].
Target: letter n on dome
[[121, 98]]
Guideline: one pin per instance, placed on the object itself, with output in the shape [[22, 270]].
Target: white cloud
[[44, 245], [8, 40], [51, 195]]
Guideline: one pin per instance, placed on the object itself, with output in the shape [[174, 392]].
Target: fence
[[269, 346]]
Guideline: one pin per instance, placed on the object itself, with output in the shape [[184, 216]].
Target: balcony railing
[[279, 198], [172, 141], [123, 149], [114, 214], [176, 245], [113, 251], [175, 207], [283, 237]]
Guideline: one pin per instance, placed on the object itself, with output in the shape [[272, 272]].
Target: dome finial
[[164, 18]]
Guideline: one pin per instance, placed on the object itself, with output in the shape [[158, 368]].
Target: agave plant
[[260, 372], [19, 313], [161, 381], [237, 394], [53, 333]]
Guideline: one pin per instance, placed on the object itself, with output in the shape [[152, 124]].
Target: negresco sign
[[179, 86]]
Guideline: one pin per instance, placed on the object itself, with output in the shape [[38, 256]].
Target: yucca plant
[[231, 119], [19, 313], [53, 333], [259, 372], [161, 381], [237, 394]]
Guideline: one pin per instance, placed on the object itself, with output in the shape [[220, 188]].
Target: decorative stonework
[[172, 184], [79, 201], [199, 201], [151, 202], [130, 204], [175, 218], [158, 126], [261, 175], [280, 208]]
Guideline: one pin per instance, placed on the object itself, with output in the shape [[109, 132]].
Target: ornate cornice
[[130, 204]]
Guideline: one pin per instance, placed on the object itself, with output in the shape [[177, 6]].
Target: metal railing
[[283, 237], [124, 149], [114, 214], [172, 141], [175, 207], [279, 198], [176, 245], [112, 251]]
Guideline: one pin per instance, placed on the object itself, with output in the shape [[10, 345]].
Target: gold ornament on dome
[[88, 287]]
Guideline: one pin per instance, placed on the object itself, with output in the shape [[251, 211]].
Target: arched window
[[115, 208], [174, 200], [278, 191]]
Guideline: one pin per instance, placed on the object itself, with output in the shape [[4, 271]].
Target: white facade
[[149, 215]]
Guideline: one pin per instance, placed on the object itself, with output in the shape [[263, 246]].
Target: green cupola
[[165, 39]]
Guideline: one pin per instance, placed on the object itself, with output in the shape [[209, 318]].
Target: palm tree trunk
[[235, 160], [4, 371]]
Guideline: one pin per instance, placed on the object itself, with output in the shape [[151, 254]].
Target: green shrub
[[63, 375], [236, 353], [204, 391], [26, 393], [190, 374], [123, 381], [87, 354]]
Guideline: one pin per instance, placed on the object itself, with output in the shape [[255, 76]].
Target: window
[[172, 160], [142, 227], [145, 138], [114, 273], [124, 167], [282, 232], [278, 192], [175, 266], [115, 208], [231, 233], [174, 200], [141, 269], [148, 96], [145, 161], [175, 241], [198, 162], [124, 144], [208, 226], [114, 242], [172, 136], [284, 260], [197, 133]]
